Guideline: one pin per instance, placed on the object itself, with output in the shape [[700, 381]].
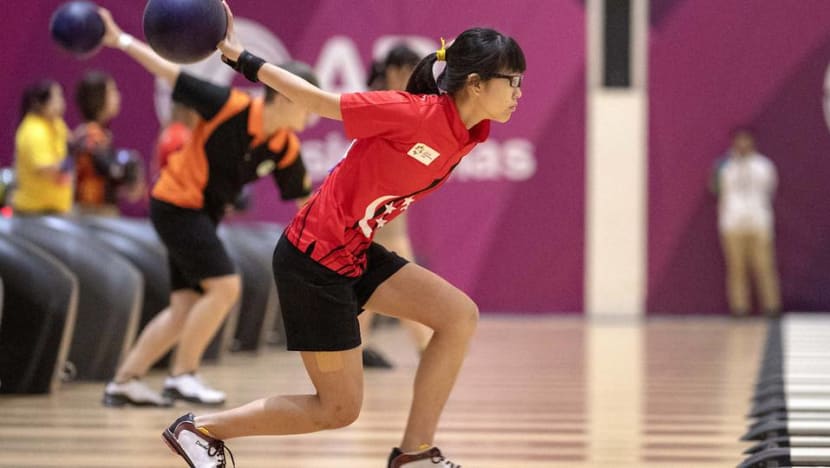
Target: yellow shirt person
[[40, 153]]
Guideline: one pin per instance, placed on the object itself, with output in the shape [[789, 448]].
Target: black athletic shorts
[[320, 307], [194, 251]]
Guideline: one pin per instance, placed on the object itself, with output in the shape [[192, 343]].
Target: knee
[[465, 317], [176, 318], [228, 288], [470, 316], [180, 304], [344, 416], [341, 413]]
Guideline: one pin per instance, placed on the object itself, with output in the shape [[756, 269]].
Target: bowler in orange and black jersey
[[238, 139]]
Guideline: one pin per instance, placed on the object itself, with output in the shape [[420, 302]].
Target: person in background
[[103, 174], [239, 139], [43, 169], [392, 73], [174, 135], [745, 182]]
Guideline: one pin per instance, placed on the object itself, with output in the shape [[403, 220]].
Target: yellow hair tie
[[441, 54]]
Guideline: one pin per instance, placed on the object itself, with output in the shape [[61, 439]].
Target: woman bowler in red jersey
[[326, 266]]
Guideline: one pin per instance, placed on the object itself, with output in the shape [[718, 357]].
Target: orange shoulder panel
[[182, 181]]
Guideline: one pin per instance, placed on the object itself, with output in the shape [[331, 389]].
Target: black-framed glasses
[[515, 80]]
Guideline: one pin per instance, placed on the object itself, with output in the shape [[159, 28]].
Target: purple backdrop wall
[[508, 229], [716, 65]]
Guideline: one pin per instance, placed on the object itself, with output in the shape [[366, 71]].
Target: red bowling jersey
[[405, 146]]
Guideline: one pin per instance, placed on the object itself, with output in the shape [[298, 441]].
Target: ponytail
[[482, 51], [422, 81]]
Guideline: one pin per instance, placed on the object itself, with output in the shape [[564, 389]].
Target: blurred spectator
[[174, 135], [377, 76], [43, 169], [398, 66], [745, 182], [103, 173]]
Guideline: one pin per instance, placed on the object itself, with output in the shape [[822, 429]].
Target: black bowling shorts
[[320, 307], [194, 250]]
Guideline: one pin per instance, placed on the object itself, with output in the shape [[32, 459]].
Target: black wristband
[[249, 65]]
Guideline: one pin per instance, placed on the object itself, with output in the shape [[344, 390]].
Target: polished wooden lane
[[534, 393]]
